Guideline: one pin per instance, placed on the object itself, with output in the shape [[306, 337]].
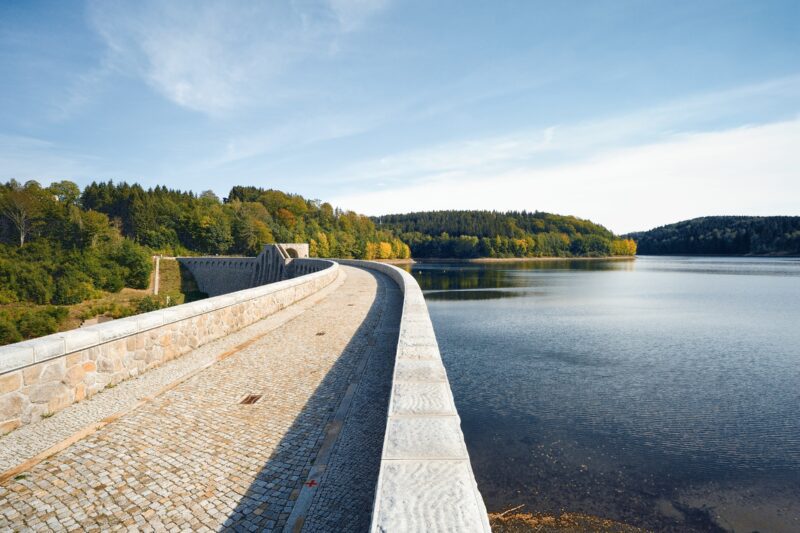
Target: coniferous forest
[[723, 235], [474, 234]]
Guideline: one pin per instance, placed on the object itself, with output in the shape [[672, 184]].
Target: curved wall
[[47, 374], [426, 481]]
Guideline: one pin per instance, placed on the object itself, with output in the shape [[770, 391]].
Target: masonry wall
[[426, 481], [221, 275], [47, 374]]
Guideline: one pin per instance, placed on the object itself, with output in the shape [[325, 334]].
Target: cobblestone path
[[195, 458]]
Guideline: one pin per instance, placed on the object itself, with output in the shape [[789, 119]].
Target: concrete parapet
[[426, 481], [45, 375]]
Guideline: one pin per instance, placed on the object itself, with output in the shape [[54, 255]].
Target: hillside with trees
[[723, 235], [475, 234], [60, 246]]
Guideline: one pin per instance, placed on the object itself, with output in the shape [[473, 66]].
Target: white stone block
[[48, 347], [419, 370], [418, 352], [79, 339], [149, 320], [421, 398], [424, 496], [424, 437], [15, 356], [116, 329]]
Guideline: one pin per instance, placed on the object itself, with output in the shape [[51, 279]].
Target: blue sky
[[632, 114]]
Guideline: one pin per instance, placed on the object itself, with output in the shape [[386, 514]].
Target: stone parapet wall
[[426, 481], [44, 375]]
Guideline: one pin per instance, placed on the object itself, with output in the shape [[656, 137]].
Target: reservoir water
[[662, 392]]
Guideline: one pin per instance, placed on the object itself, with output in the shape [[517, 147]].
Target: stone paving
[[194, 458]]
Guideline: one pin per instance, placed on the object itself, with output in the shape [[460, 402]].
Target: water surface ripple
[[663, 392]]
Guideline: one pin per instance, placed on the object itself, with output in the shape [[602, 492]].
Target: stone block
[[416, 398], [74, 375], [10, 382], [12, 405], [30, 375], [14, 356], [45, 392], [149, 320], [424, 437], [80, 392], [75, 358], [9, 425], [54, 371], [419, 370], [117, 329], [418, 352], [428, 496], [80, 339], [48, 347], [61, 400]]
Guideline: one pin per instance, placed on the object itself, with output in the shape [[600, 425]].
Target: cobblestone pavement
[[194, 458], [356, 457], [30, 440]]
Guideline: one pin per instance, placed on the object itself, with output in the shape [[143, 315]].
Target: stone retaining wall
[[44, 375], [426, 481]]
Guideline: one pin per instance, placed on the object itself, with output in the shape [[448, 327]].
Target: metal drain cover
[[250, 399]]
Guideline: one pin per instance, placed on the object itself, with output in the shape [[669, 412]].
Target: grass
[[512, 521], [177, 283], [47, 414]]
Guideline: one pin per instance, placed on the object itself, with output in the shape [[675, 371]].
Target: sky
[[633, 114]]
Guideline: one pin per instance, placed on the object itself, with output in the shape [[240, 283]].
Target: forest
[[60, 246], [723, 235], [473, 234]]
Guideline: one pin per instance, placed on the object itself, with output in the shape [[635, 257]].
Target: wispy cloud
[[220, 56], [742, 170], [25, 158], [553, 144]]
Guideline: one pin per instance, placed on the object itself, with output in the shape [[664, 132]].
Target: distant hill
[[473, 234], [723, 236]]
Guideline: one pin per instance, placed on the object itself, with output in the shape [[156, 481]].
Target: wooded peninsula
[[723, 235]]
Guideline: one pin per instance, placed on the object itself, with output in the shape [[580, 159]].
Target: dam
[[303, 395]]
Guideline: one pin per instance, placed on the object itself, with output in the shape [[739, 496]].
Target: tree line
[[61, 246], [723, 235], [473, 234]]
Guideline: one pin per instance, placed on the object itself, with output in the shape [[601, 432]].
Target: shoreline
[[412, 260]]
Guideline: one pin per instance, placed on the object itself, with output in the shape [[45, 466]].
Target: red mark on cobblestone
[[311, 483]]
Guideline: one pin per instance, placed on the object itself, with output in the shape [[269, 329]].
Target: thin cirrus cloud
[[653, 166], [557, 143], [744, 169], [220, 57]]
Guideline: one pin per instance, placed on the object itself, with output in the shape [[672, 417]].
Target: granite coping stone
[[435, 437], [426, 481]]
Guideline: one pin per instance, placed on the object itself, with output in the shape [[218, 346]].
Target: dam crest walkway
[[278, 426]]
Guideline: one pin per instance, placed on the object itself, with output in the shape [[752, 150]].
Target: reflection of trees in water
[[461, 276], [481, 294]]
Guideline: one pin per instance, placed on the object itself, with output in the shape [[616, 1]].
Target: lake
[[662, 392]]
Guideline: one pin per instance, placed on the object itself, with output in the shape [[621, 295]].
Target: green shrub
[[8, 332], [36, 324], [71, 287], [136, 263]]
